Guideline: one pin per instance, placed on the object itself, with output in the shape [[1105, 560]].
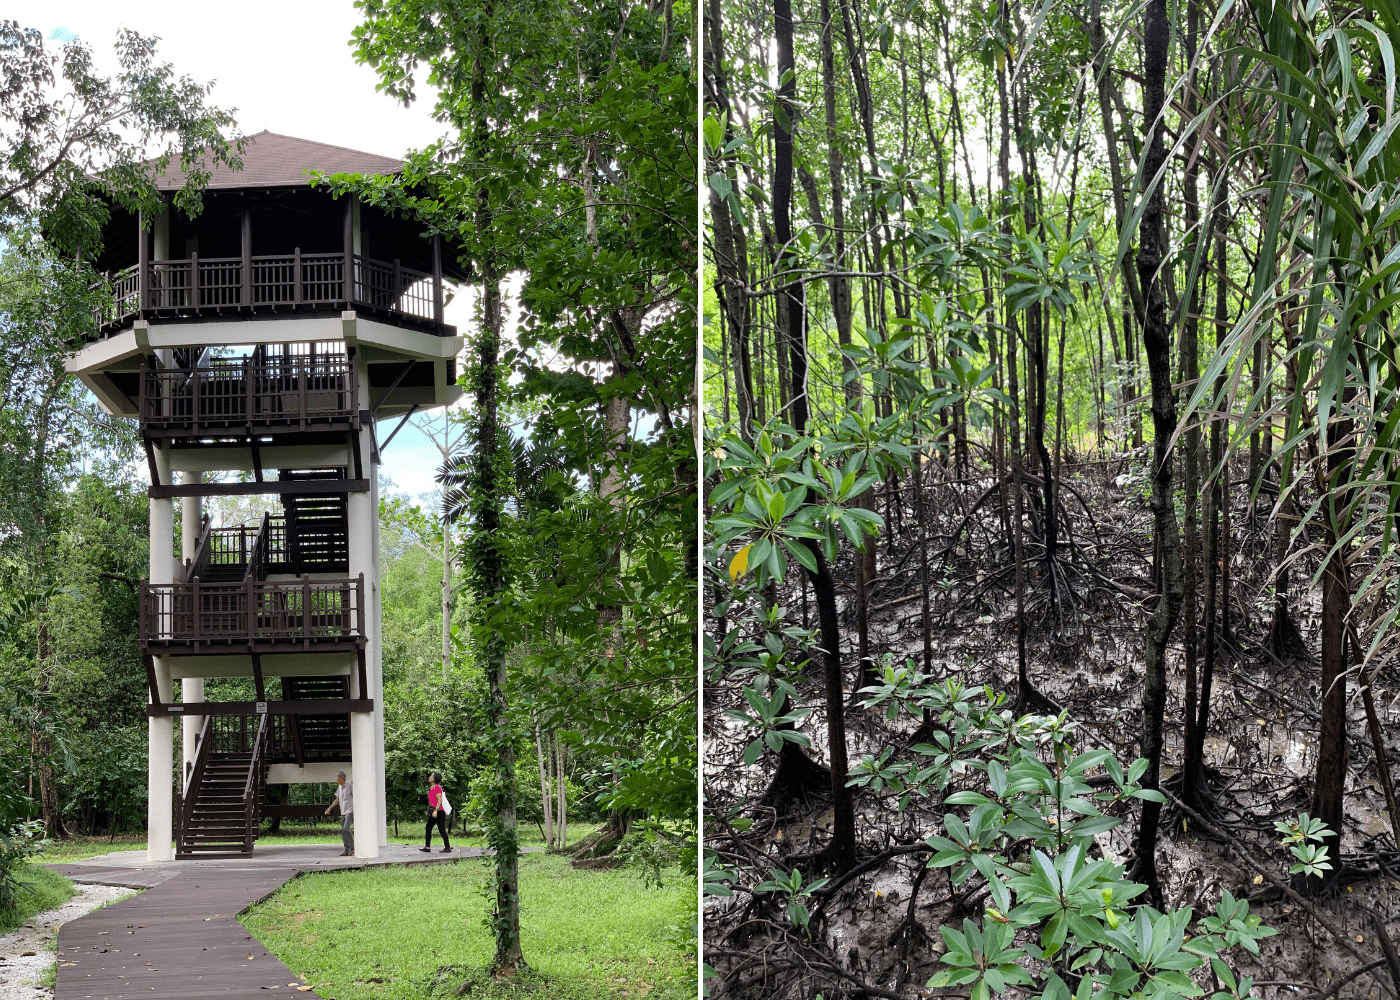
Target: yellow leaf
[[739, 565], [1360, 939], [1258, 879], [1260, 721]]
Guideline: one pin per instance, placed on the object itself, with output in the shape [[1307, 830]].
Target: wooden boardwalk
[[180, 939]]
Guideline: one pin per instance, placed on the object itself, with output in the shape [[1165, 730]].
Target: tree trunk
[[563, 797], [730, 244], [1215, 499], [1023, 693], [841, 852], [1190, 373], [487, 546], [793, 297], [446, 598], [840, 286], [545, 795], [1157, 341], [1329, 780]]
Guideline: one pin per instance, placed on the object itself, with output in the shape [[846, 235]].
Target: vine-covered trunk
[[488, 497]]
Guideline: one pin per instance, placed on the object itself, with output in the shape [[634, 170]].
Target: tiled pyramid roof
[[273, 160]]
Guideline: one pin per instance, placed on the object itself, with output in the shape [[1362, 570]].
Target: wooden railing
[[203, 551], [289, 392], [216, 285], [253, 788], [234, 734], [253, 612], [194, 774], [259, 556]]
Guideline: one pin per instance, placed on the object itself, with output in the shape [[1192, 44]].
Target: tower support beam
[[191, 688], [160, 733]]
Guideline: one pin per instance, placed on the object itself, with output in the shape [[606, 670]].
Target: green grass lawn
[[78, 848], [385, 933], [46, 890]]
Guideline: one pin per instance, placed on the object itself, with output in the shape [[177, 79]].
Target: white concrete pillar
[[364, 754], [191, 688], [362, 764], [374, 621], [160, 738]]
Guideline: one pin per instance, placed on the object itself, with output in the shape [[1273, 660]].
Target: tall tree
[[1157, 341]]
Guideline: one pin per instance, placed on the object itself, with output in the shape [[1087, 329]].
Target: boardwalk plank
[[180, 939]]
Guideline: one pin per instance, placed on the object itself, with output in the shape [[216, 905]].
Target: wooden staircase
[[323, 737], [220, 808], [317, 526]]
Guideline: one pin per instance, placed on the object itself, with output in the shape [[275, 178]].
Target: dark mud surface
[[1085, 652]]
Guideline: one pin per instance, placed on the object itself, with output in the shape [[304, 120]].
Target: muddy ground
[[1088, 658]]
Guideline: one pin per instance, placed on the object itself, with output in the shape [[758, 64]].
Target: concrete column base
[[367, 817], [160, 830]]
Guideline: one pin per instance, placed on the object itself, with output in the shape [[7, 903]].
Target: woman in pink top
[[436, 815]]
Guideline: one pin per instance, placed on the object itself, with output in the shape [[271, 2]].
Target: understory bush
[[18, 844], [107, 789], [1021, 819]]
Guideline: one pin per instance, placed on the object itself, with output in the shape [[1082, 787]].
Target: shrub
[[108, 788], [23, 841]]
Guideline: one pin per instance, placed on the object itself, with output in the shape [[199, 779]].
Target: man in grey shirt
[[345, 797]]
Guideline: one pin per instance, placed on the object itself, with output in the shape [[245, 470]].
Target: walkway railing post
[[437, 279], [143, 267], [349, 289], [194, 611], [306, 610]]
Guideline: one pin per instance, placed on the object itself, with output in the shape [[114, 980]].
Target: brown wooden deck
[[181, 938]]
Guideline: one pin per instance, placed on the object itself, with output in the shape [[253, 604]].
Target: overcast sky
[[285, 67]]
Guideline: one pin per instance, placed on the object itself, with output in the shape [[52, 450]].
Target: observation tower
[[280, 339]]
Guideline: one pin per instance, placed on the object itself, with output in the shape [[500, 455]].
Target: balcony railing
[[286, 741], [252, 614], [229, 285], [286, 392], [275, 545]]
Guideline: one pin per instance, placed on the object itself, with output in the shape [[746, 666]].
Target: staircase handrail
[[199, 565], [257, 556], [190, 792], [259, 741]]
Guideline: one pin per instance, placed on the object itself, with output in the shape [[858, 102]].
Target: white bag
[[446, 806]]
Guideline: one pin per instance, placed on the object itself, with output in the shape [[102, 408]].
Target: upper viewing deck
[[266, 242], [290, 283]]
